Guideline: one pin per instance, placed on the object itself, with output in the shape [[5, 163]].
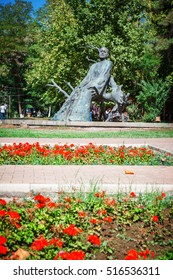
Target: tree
[[158, 52], [53, 54], [120, 27], [65, 31], [63, 37], [160, 16], [14, 39]]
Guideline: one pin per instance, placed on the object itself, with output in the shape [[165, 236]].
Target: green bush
[[133, 111], [152, 98]]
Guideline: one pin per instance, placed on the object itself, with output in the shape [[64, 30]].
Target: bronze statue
[[77, 105]]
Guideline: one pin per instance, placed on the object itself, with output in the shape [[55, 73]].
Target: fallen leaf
[[21, 254], [129, 172]]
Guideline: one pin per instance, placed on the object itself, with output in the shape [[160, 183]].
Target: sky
[[35, 3]]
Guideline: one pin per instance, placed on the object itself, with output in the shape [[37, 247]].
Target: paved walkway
[[23, 179]]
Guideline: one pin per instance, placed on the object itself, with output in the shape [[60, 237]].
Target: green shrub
[[133, 111], [152, 98]]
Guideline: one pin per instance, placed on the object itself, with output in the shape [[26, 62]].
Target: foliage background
[[54, 43]]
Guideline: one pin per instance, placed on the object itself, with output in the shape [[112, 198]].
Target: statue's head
[[103, 52]]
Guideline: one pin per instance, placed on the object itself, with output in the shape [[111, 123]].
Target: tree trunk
[[19, 104]]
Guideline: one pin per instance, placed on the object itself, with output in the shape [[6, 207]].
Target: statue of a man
[[77, 105], [99, 74]]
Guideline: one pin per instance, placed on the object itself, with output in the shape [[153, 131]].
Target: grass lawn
[[83, 133]]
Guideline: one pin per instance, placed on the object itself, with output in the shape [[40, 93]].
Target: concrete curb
[[20, 190], [43, 122]]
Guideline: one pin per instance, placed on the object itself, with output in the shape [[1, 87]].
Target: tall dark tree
[[161, 18], [14, 40], [159, 49]]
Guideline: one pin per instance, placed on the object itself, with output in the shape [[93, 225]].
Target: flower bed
[[87, 154], [93, 226]]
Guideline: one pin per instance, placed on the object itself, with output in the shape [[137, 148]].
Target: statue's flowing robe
[[77, 105]]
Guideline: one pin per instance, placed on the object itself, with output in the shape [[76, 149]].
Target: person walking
[[2, 111]]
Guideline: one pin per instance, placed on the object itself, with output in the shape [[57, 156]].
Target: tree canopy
[[58, 43]]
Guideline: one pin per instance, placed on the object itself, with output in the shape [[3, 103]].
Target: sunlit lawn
[[83, 133]]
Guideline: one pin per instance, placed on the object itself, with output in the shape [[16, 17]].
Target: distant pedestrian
[[2, 111], [125, 117], [91, 114], [6, 106], [108, 114], [95, 112]]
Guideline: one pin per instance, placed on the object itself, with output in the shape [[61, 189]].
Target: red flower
[[51, 204], [14, 215], [155, 219], [132, 194], [132, 255], [56, 242], [122, 155], [125, 199], [81, 214], [144, 254], [39, 243], [78, 200], [100, 194], [2, 213], [62, 255], [3, 250], [67, 205], [94, 239], [93, 221], [72, 230], [42, 201], [75, 255], [40, 198], [101, 212], [41, 205], [68, 199], [2, 240], [17, 225], [3, 202], [108, 219], [163, 194], [109, 201]]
